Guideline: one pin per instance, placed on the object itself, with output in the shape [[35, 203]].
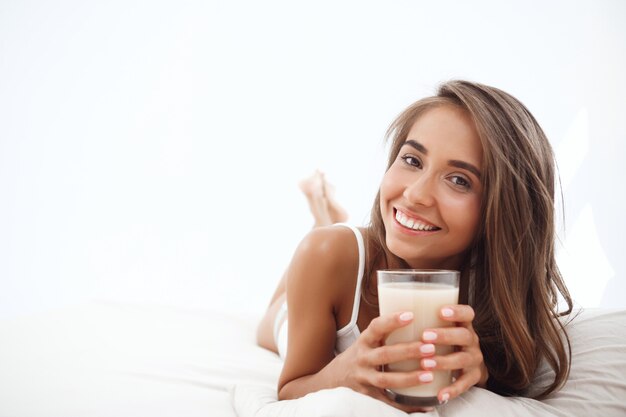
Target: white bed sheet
[[107, 359]]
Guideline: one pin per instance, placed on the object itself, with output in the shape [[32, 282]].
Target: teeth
[[412, 223]]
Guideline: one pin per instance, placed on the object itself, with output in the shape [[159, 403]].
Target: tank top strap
[[359, 278]]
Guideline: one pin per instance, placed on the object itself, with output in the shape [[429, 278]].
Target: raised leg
[[326, 211]]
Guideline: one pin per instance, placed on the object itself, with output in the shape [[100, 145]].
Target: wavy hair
[[510, 276]]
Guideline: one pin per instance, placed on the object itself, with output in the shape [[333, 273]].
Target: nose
[[421, 191]]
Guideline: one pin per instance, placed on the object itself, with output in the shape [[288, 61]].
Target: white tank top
[[348, 334]]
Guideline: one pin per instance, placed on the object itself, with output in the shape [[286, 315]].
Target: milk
[[425, 300]]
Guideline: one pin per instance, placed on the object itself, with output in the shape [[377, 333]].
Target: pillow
[[596, 385], [260, 401]]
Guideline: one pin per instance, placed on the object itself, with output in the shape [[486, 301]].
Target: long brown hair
[[510, 276]]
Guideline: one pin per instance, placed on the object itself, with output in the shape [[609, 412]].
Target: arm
[[315, 283], [313, 295]]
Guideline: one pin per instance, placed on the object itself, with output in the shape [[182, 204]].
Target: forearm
[[304, 385]]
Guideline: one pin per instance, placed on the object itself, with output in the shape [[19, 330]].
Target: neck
[[453, 263]]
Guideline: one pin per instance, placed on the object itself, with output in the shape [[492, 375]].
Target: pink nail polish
[[426, 377], [406, 316], [429, 336], [429, 363], [428, 348], [444, 398]]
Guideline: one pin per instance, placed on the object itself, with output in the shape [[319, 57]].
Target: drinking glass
[[423, 292]]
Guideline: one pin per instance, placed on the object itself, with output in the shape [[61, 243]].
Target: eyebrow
[[417, 146], [453, 162], [465, 165]]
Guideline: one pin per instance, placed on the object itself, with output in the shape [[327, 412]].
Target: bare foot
[[337, 213], [321, 197], [313, 189]]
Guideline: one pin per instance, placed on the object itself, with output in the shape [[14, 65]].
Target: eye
[[411, 160], [460, 182]]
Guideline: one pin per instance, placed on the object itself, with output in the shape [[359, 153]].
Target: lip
[[412, 232]]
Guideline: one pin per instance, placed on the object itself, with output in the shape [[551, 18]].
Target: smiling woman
[[434, 184], [469, 186], [509, 272]]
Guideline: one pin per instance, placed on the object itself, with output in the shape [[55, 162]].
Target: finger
[[458, 387], [399, 379], [394, 353], [458, 313], [459, 336], [381, 326], [453, 361]]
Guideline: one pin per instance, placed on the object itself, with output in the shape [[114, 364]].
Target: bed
[[109, 359]]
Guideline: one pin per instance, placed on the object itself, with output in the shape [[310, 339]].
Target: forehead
[[448, 131]]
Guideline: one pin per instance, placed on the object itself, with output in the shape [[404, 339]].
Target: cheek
[[393, 181], [464, 216], [388, 189]]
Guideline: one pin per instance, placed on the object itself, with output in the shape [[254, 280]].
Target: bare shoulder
[[333, 248], [322, 268], [330, 241], [331, 254]]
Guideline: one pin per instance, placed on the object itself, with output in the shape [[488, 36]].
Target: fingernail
[[444, 398], [429, 363], [428, 348], [447, 312], [426, 377], [406, 316], [429, 336]]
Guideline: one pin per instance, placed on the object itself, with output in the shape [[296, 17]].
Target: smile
[[414, 224]]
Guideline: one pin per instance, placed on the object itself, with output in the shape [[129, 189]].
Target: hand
[[467, 359], [360, 366]]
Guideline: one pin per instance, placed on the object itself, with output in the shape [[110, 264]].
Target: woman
[[469, 186]]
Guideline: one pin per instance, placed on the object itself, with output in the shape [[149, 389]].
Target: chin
[[407, 254], [423, 259]]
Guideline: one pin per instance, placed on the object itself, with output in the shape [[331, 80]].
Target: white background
[[150, 151]]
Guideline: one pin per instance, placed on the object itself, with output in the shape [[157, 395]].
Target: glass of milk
[[424, 292]]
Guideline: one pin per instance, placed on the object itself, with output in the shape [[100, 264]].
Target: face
[[430, 197]]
